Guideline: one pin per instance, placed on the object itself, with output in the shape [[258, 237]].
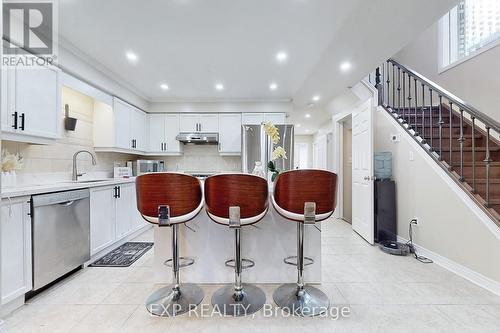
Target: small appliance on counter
[[141, 167]]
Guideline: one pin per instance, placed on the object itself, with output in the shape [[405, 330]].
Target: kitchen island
[[210, 244]]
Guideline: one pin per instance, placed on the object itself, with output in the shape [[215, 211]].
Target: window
[[470, 28]]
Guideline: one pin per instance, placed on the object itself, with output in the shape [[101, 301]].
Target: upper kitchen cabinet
[[121, 128], [230, 134], [163, 128], [199, 123], [31, 109], [259, 118]]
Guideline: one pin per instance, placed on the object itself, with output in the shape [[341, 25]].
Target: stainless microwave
[[141, 167]]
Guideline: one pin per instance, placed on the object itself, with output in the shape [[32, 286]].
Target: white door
[[102, 218], [122, 113], [362, 172], [189, 122], [230, 133], [156, 133], [37, 101], [172, 128], [209, 123]]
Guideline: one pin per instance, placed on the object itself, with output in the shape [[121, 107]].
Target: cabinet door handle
[[22, 116], [165, 145], [119, 192], [116, 192], [15, 120]]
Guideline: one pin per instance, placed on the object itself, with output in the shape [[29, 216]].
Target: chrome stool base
[[251, 300], [308, 303], [167, 302]]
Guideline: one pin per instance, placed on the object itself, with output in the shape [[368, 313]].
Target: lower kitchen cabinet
[[16, 279], [113, 215], [102, 218]]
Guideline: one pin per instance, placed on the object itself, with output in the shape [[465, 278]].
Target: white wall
[[476, 80], [448, 226]]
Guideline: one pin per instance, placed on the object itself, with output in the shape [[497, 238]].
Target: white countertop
[[19, 191]]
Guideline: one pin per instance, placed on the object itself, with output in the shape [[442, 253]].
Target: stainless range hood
[[198, 138]]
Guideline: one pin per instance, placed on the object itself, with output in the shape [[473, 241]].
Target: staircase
[[462, 140]]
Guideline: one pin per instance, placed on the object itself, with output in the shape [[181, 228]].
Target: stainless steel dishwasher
[[61, 234]]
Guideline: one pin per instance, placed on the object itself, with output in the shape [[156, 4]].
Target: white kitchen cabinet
[[121, 124], [113, 215], [259, 118], [163, 129], [16, 279], [31, 109], [102, 218], [199, 123], [128, 125], [275, 118], [124, 203], [230, 134]]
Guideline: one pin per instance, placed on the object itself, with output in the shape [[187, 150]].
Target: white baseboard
[[467, 273]]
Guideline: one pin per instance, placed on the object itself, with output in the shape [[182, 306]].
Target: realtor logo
[[29, 30]]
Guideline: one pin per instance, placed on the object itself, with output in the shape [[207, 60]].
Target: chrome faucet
[[75, 171]]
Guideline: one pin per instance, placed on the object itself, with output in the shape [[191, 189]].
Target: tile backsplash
[[205, 158]]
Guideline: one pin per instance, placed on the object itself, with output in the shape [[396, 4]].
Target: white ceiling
[[193, 44]]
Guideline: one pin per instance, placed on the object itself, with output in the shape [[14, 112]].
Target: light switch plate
[[410, 156]]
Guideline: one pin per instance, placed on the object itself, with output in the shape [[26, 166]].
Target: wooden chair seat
[[296, 187], [249, 192], [181, 192]]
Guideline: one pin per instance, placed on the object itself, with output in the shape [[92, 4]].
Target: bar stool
[[169, 199], [235, 201], [304, 197]]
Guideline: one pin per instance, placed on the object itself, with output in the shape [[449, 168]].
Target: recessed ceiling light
[[345, 66], [307, 115], [281, 56], [273, 86], [132, 56], [298, 125], [164, 86], [219, 86], [316, 98]]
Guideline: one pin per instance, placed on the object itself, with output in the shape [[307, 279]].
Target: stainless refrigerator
[[256, 146]]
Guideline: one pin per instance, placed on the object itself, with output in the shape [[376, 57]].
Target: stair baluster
[[440, 123], [404, 98], [473, 154], [399, 91], [450, 120], [461, 140], [409, 101], [416, 109], [423, 115], [386, 72], [431, 120], [488, 165]]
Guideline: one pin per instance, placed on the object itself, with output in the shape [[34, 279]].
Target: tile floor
[[383, 293]]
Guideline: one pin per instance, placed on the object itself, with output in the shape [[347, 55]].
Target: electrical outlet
[[417, 222]]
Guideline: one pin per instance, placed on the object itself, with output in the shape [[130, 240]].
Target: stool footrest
[[245, 263], [292, 260], [183, 262]]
